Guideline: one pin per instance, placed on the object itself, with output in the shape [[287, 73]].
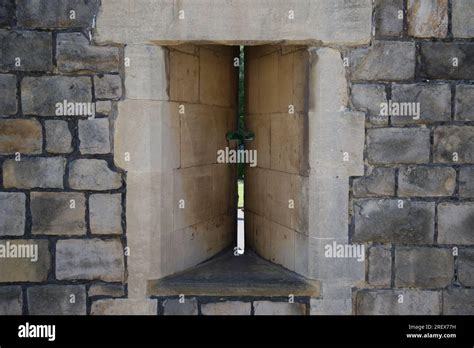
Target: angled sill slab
[[229, 275]]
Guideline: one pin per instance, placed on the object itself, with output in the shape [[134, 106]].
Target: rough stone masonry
[[60, 188]]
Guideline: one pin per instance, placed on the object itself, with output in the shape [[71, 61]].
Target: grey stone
[[452, 140], [90, 259], [226, 308], [125, 306], [103, 107], [57, 300], [33, 48], [398, 145], [108, 87], [387, 302], [35, 172], [423, 267], [436, 60], [380, 266], [12, 213], [109, 290], [39, 95], [458, 302], [463, 18], [455, 223], [94, 136], [428, 18], [384, 222], [424, 181], [93, 174], [174, 307], [278, 308], [8, 97], [466, 182], [6, 12], [105, 212], [25, 269], [20, 135], [387, 21], [58, 213], [369, 98], [11, 300], [385, 60], [75, 54], [56, 14], [434, 101], [58, 136], [464, 103], [466, 267], [376, 182]]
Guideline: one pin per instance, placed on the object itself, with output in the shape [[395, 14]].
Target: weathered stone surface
[[39, 95], [105, 212], [174, 307], [426, 181], [103, 107], [466, 267], [428, 18], [383, 221], [11, 300], [92, 174], [109, 290], [24, 136], [184, 76], [386, 302], [387, 18], [108, 87], [466, 182], [458, 301], [75, 54], [90, 259], [455, 223], [12, 213], [464, 103], [58, 213], [37, 172], [56, 300], [94, 136], [226, 308], [6, 12], [437, 60], [8, 97], [376, 182], [54, 14], [369, 98], [398, 145], [278, 308], [423, 267], [58, 137], [125, 307], [20, 45], [453, 144], [463, 18], [23, 269], [380, 266], [434, 101], [385, 60]]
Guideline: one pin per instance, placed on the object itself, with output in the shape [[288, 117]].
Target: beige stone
[[260, 125], [278, 308], [124, 307], [226, 308], [24, 136], [184, 77]]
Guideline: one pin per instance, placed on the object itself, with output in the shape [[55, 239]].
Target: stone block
[[426, 181], [108, 290], [108, 87], [226, 308], [12, 213], [466, 267], [464, 102], [398, 145], [6, 13], [90, 259], [377, 182], [19, 135], [466, 182], [34, 172], [58, 213], [388, 221], [58, 137], [369, 98], [11, 299], [105, 213], [463, 18], [184, 77], [458, 301], [57, 300], [380, 266], [455, 223], [94, 136], [93, 174], [278, 308], [8, 95], [453, 144], [124, 307], [428, 18], [387, 18], [174, 307], [447, 60]]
